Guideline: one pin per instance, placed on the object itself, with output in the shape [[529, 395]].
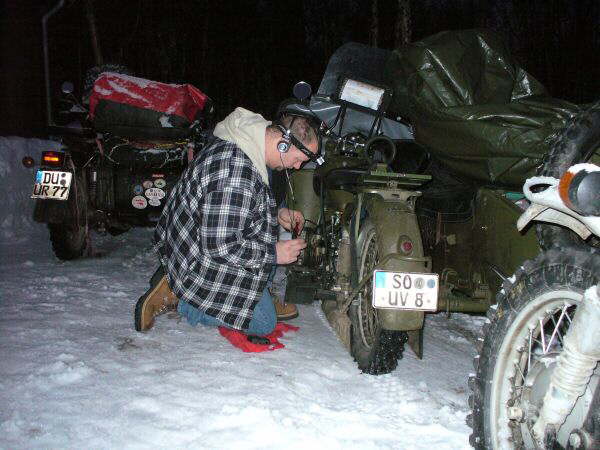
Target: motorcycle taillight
[[52, 158]]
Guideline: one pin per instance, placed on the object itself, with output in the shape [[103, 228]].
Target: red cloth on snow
[[240, 340]]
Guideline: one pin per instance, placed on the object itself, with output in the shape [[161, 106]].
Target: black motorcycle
[[117, 163]]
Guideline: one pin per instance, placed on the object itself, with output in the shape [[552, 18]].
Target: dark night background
[[250, 53]]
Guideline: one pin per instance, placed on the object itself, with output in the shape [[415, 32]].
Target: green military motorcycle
[[361, 220], [414, 212], [414, 209]]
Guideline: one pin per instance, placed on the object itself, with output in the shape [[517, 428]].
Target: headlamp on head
[[288, 138]]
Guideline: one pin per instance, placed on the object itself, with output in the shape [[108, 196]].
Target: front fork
[[575, 366]]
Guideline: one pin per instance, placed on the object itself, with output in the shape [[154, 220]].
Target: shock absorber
[[575, 366], [93, 185]]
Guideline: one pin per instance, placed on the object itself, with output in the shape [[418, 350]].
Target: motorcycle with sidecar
[[124, 143], [413, 211], [112, 172]]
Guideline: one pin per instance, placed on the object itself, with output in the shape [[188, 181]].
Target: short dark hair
[[301, 127]]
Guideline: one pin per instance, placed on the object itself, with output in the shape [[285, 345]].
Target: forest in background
[[250, 53]]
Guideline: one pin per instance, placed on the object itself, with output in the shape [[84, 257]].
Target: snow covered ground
[[75, 374]]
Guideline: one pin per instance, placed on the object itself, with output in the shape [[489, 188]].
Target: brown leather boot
[[157, 300], [284, 311]]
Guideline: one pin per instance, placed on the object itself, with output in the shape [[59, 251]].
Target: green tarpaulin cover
[[474, 107]]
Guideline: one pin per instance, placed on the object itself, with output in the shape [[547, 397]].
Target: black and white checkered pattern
[[217, 233]]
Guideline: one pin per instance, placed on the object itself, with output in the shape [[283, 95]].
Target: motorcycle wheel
[[70, 240], [519, 348], [576, 143], [376, 350]]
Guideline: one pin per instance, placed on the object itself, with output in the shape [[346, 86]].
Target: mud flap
[[398, 320], [51, 211], [415, 341]]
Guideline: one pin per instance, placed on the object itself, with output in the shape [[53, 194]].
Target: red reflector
[[407, 246], [51, 158], [28, 161]]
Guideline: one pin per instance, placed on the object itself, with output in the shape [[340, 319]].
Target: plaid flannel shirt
[[217, 233]]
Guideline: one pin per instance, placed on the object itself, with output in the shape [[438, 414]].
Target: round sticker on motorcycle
[[154, 202], [147, 184], [139, 202], [160, 183], [155, 193], [138, 189]]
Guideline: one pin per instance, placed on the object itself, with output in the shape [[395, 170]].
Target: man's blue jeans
[[262, 323]]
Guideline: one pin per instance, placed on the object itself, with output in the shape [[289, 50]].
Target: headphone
[[284, 145], [288, 139]]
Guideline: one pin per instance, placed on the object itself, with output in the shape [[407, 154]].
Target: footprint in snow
[[126, 343]]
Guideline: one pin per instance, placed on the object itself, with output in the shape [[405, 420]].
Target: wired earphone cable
[[293, 197]]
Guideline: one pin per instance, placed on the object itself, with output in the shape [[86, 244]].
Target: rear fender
[[393, 220]]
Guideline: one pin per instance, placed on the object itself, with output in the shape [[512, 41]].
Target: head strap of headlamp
[[288, 135]]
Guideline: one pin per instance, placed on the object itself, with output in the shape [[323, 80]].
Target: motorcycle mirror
[[302, 90], [67, 87]]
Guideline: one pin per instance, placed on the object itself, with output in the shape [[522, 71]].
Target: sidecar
[[488, 125], [414, 210]]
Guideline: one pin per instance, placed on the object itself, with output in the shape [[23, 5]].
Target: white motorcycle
[[537, 380]]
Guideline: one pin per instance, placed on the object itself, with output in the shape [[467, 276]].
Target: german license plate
[[52, 184], [405, 290]]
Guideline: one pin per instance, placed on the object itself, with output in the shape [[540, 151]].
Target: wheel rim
[[367, 315], [522, 373]]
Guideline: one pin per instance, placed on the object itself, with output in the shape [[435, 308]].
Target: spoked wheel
[[376, 351], [367, 323], [521, 346]]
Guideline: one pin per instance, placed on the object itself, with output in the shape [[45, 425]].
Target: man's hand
[[288, 251], [291, 220]]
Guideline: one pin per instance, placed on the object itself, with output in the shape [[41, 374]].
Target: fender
[[394, 217]]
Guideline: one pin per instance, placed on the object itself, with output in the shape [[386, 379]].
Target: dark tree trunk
[[89, 12], [374, 29], [403, 27]]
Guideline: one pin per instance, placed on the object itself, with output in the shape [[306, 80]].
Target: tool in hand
[[296, 230]]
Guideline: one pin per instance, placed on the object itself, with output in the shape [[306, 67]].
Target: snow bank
[[16, 183]]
